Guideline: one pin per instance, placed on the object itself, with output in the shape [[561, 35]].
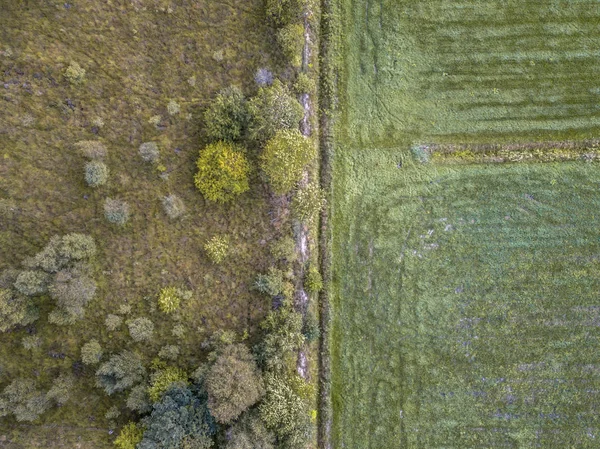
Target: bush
[[162, 379], [61, 389], [304, 84], [308, 203], [217, 248], [129, 437], [222, 172], [116, 211], [233, 383], [282, 408], [120, 372], [139, 400], [178, 331], [273, 109], [311, 329], [226, 118], [32, 283], [291, 40], [284, 248], [169, 300], [113, 322], [313, 282], [149, 151], [124, 309], [92, 149], [280, 12], [77, 247], [283, 159], [75, 74], [250, 433], [91, 352], [112, 413], [169, 352], [24, 400], [283, 337], [263, 77], [72, 291], [141, 329], [96, 173], [15, 310], [31, 342], [173, 206], [271, 283], [180, 417], [61, 317], [173, 107]]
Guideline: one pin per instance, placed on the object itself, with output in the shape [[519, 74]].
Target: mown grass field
[[138, 55], [467, 70], [466, 304]]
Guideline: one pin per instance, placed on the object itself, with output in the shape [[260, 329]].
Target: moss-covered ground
[[138, 56]]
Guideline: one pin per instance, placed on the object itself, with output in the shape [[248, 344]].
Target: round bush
[[77, 247], [116, 211], [32, 282], [96, 173], [173, 107], [313, 282], [149, 151], [173, 206], [284, 158], [217, 248], [141, 329], [169, 300], [91, 352], [113, 322], [227, 116], [75, 74], [222, 172]]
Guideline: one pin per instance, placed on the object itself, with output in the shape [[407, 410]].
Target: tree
[[130, 436], [284, 157], [24, 400], [180, 417], [222, 172], [96, 173], [227, 116], [233, 383], [250, 433], [61, 389], [32, 282], [116, 211], [273, 109], [120, 372], [283, 337], [15, 309], [138, 399], [217, 248], [169, 300], [72, 289], [161, 381], [91, 352], [141, 329]]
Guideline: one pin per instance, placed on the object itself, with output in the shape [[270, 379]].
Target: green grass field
[[138, 55], [466, 304], [468, 70]]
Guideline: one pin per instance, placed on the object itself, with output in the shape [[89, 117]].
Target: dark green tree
[[227, 116]]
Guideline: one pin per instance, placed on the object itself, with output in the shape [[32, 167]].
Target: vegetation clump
[[169, 352], [149, 152], [217, 248], [283, 159], [113, 322], [91, 352], [74, 73], [129, 437], [61, 389], [308, 202], [250, 433], [169, 299], [271, 283], [173, 107], [291, 41], [313, 282], [32, 282], [173, 206], [92, 149], [161, 380], [120, 372], [116, 211], [226, 119], [284, 249], [304, 84], [24, 400], [96, 173], [141, 329], [138, 399], [15, 309]]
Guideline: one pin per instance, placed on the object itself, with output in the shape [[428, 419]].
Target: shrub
[[141, 329], [178, 331], [113, 322], [273, 109], [169, 352], [91, 352], [120, 372], [31, 342], [180, 417], [32, 283], [161, 380], [96, 173], [217, 248], [308, 202], [173, 107], [139, 400], [61, 317], [24, 400], [313, 282], [283, 159], [222, 172], [75, 74], [72, 290], [284, 248], [124, 309], [263, 77], [116, 211], [281, 12], [227, 116], [77, 247], [291, 41], [92, 149], [250, 433], [310, 329], [271, 283], [112, 412], [283, 337], [233, 383], [129, 437], [282, 408], [169, 300], [173, 206], [60, 392], [304, 84], [15, 309], [149, 151]]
